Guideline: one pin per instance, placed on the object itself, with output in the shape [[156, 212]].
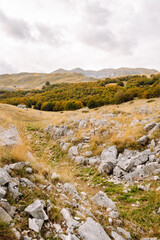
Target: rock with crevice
[[36, 210], [13, 190], [109, 160], [4, 216]]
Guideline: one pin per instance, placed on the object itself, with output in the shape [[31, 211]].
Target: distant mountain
[[108, 72], [27, 80]]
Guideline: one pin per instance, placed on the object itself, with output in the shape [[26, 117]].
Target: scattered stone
[[9, 137], [58, 228], [16, 233], [55, 176], [116, 236], [4, 177], [7, 207], [36, 210], [26, 183], [109, 159], [124, 163], [29, 170], [13, 190], [70, 189], [71, 223], [113, 214], [4, 216], [35, 224], [149, 126], [101, 200], [92, 230], [2, 192], [17, 166], [73, 151], [143, 140], [80, 160], [124, 232]]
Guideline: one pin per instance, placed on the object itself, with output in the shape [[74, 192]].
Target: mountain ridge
[[107, 72]]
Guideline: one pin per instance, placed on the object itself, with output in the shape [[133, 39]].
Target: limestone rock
[[55, 176], [101, 200], [73, 151], [124, 232], [36, 210], [109, 153], [35, 224], [4, 177], [71, 223], [69, 189], [9, 137], [149, 126], [4, 216], [13, 190], [125, 164], [116, 236], [109, 159], [2, 192], [92, 230], [143, 140]]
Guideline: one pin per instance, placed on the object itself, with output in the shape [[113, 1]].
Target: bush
[[38, 105], [47, 106], [92, 103], [122, 96], [73, 105], [120, 83]]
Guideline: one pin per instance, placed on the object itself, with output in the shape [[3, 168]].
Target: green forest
[[72, 96]]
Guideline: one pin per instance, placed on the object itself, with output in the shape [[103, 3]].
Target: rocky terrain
[[87, 174]]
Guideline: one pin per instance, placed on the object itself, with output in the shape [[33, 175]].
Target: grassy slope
[[37, 80], [45, 150]]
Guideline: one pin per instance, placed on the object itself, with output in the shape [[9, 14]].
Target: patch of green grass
[[7, 158], [151, 100], [5, 232], [85, 173], [33, 128], [144, 216]]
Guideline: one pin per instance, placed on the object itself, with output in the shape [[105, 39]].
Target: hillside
[[71, 96], [77, 75], [80, 174], [37, 80]]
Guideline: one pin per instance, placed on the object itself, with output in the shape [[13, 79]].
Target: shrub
[[120, 83], [47, 106], [38, 105]]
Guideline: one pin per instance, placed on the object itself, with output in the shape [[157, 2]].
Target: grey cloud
[[49, 35], [96, 30], [16, 28], [7, 68], [20, 29], [96, 13]]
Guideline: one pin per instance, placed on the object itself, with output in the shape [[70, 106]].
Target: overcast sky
[[43, 35]]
